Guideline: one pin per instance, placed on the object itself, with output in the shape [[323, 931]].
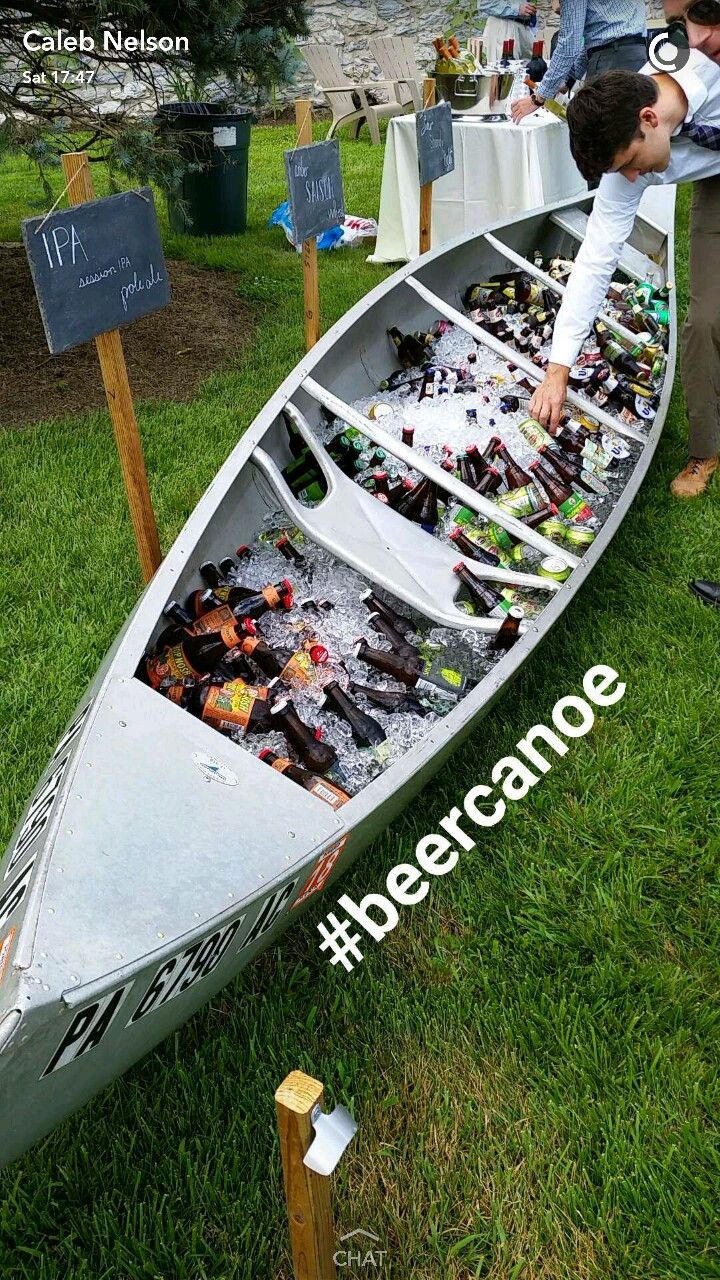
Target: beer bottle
[[193, 655], [283, 662], [487, 599], [475, 459], [296, 443], [411, 505], [471, 549], [248, 602], [515, 477], [511, 48], [395, 638], [569, 503], [467, 471], [289, 551], [509, 632], [366, 730], [403, 670], [214, 615], [408, 436], [428, 514], [211, 575], [619, 358], [312, 782], [535, 518], [536, 68], [243, 552], [397, 492], [568, 471], [490, 482], [316, 755], [374, 604], [231, 707], [227, 565], [390, 699], [179, 616], [381, 483], [410, 352], [523, 289]]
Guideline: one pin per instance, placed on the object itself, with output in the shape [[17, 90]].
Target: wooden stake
[[426, 190], [117, 389], [307, 1193], [311, 285]]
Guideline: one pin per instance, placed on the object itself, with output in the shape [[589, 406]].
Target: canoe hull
[[125, 914]]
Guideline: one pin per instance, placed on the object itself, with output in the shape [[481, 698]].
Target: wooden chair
[[395, 56], [325, 65]]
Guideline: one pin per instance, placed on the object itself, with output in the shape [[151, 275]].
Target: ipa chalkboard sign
[[96, 266], [315, 188], [436, 153]]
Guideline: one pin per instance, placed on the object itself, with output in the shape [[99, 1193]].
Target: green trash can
[[213, 199]]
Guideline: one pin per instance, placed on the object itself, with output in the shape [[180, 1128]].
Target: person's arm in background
[[570, 46], [608, 228]]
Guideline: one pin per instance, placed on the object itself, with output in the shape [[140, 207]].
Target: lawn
[[532, 1054]]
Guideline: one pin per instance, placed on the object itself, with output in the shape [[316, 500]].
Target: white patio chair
[[324, 62], [395, 56]]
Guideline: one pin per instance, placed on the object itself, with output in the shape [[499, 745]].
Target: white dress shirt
[[616, 202]]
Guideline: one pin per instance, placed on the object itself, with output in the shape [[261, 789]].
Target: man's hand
[[547, 403], [527, 10], [523, 107]]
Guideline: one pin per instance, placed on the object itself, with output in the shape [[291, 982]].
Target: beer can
[[520, 502], [552, 528], [554, 568], [577, 536], [534, 433]]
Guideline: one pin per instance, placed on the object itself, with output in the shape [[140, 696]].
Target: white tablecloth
[[500, 170]]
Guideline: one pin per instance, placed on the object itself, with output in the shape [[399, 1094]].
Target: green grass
[[532, 1054]]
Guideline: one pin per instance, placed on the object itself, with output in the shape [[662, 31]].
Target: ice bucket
[[486, 90]]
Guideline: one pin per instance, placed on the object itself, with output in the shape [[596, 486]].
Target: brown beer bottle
[[395, 638], [515, 477], [315, 755], [232, 706], [289, 550], [490, 482], [471, 549], [481, 593], [390, 699], [408, 436], [193, 655], [366, 730], [319, 787], [568, 471], [556, 492], [509, 632], [374, 604], [428, 514], [283, 662], [403, 670]]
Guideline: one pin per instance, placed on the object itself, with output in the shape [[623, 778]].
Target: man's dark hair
[[604, 118]]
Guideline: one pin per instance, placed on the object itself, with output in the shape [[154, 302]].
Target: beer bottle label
[[576, 509], [170, 663], [271, 596], [228, 633], [229, 706], [214, 621], [175, 692], [300, 667], [435, 690]]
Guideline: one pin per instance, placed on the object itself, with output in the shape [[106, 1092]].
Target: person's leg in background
[[701, 342]]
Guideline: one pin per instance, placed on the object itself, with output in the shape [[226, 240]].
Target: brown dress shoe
[[694, 478]]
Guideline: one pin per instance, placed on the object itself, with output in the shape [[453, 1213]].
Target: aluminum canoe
[[157, 858]]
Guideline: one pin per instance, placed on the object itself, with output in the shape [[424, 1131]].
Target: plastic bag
[[352, 231]]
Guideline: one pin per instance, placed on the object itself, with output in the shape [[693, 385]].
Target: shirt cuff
[[564, 351]]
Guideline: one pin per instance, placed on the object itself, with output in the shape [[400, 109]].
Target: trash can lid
[[219, 111]]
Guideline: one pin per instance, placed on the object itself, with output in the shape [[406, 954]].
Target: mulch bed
[[168, 354]]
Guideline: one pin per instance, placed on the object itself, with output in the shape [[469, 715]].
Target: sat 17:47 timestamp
[[59, 75]]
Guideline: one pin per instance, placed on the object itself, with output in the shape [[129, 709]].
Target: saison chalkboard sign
[[96, 266], [436, 153], [315, 188]]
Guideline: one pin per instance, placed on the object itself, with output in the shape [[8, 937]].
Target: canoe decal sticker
[[214, 770], [5, 949], [183, 971], [13, 896], [321, 872], [269, 913], [41, 807], [87, 1029]]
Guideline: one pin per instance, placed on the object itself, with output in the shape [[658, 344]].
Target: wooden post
[[426, 190], [307, 1193], [117, 389], [311, 286]]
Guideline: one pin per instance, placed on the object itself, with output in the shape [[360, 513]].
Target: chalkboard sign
[[315, 188], [96, 266], [436, 153]]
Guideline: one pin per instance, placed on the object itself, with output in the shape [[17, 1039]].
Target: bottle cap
[[460, 565], [280, 705], [381, 497], [266, 751], [356, 651], [243, 551], [319, 653]]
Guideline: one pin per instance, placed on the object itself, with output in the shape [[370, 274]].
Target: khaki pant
[[701, 335]]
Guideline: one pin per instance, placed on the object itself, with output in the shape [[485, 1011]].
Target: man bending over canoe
[[638, 129]]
